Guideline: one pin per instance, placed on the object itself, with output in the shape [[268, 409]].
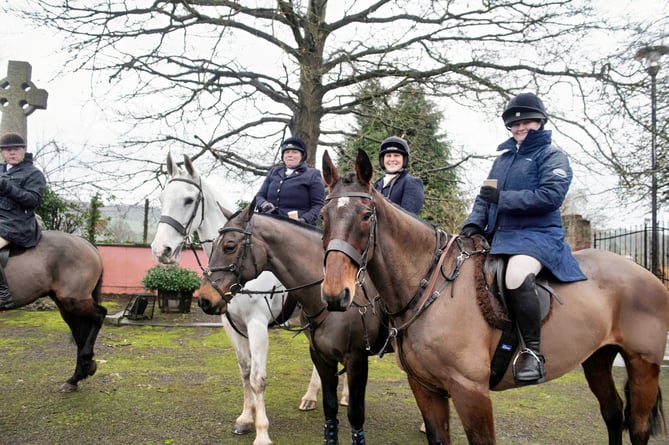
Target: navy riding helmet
[[397, 145]]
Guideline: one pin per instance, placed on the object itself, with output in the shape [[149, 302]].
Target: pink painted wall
[[125, 266]]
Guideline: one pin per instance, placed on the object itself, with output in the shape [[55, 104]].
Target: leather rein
[[237, 268]]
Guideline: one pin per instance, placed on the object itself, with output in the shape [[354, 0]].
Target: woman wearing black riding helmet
[[292, 187], [521, 217], [397, 184]]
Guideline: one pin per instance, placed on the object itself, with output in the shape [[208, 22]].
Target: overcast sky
[[74, 118]]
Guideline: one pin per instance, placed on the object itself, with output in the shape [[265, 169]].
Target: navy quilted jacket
[[533, 181]]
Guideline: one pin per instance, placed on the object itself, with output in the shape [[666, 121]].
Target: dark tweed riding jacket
[[21, 191]]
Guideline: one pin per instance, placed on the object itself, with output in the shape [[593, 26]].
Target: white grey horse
[[189, 204]]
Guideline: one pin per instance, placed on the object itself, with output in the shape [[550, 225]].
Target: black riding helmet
[[524, 107], [12, 140], [294, 143], [397, 145]]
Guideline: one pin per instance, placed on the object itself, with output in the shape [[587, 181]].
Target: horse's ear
[[247, 213], [189, 166], [363, 168], [227, 213], [330, 172], [171, 165]]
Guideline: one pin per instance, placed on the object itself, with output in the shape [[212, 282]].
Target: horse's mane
[[351, 179]]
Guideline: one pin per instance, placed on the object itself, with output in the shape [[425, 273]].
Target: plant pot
[[175, 301]]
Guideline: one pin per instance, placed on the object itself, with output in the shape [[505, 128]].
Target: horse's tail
[[656, 422], [97, 290]]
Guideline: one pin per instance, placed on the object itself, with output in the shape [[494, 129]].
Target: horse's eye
[[367, 216], [229, 248], [189, 201]]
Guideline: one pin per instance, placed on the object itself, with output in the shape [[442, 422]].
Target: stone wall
[[577, 231]]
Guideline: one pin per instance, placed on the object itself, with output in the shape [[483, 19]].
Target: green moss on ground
[[180, 385]]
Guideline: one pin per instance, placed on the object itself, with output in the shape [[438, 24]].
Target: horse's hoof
[[68, 387], [422, 428], [240, 430], [92, 368], [307, 405], [343, 401]]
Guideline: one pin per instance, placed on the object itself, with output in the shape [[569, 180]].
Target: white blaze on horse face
[[342, 202]]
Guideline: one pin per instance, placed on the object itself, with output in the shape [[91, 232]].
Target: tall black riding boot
[[524, 304], [5, 297]]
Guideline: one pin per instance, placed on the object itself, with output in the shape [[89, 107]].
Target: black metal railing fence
[[635, 243]]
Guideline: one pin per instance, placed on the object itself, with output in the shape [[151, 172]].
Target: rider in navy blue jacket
[[397, 184], [521, 215], [21, 189], [293, 186]]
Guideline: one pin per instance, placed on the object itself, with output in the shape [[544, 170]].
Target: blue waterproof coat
[[405, 190], [303, 191], [533, 181], [21, 190]]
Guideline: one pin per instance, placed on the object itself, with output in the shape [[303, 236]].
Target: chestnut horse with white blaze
[[445, 344]]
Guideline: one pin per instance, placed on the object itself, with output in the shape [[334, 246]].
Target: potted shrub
[[173, 284]]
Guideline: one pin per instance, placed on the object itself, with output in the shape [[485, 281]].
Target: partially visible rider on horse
[[521, 217], [397, 184], [21, 189]]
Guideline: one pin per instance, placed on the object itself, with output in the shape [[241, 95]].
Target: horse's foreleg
[[356, 373], [435, 411], [474, 407], [310, 398], [245, 422], [643, 414], [259, 343], [597, 370], [85, 329], [329, 382]]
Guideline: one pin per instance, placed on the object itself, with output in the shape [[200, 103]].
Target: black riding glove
[[489, 194], [267, 207], [470, 230], [4, 185]]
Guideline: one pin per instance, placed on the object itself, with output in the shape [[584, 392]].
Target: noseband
[[338, 245], [180, 228]]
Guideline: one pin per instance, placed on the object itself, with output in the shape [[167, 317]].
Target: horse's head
[[235, 259], [182, 210], [349, 222]]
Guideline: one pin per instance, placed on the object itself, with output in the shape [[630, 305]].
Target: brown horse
[[68, 269], [250, 243], [445, 344]]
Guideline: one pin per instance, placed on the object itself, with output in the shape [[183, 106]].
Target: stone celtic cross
[[19, 98]]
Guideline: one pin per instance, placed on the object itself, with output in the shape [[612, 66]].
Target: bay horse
[[444, 343], [189, 205], [250, 243], [68, 269]]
